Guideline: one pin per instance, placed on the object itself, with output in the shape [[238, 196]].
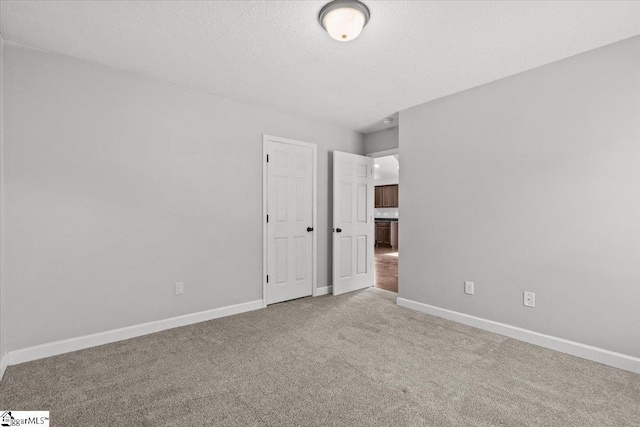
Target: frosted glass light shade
[[344, 19], [344, 24]]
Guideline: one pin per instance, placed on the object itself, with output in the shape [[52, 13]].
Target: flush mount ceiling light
[[344, 19], [387, 121]]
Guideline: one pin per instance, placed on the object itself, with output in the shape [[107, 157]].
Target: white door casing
[[353, 223], [290, 217]]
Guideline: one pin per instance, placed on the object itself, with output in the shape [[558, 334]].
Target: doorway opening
[[386, 215]]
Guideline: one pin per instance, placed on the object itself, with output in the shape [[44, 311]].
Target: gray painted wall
[[531, 183], [382, 140], [119, 185], [3, 347]]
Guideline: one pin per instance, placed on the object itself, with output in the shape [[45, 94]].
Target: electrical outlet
[[529, 299], [469, 288], [179, 288]]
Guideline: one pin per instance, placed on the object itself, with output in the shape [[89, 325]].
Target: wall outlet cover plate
[[529, 299], [469, 288]]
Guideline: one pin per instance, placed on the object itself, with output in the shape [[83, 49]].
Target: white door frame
[[314, 210], [384, 153]]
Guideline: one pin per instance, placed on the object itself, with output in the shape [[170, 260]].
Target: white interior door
[[353, 224], [290, 221]]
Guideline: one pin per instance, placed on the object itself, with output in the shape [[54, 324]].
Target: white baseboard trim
[[73, 344], [600, 355], [3, 365], [323, 291]]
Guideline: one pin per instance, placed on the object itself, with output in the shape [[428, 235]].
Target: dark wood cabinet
[[383, 234], [386, 196], [378, 197]]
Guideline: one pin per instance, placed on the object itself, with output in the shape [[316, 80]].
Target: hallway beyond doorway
[[386, 268]]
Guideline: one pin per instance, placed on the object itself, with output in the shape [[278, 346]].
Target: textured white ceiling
[[275, 54]]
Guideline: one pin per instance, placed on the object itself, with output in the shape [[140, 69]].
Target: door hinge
[[267, 278], [267, 218], [267, 158]]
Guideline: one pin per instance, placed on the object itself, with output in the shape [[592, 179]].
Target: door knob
[[309, 228], [338, 230]]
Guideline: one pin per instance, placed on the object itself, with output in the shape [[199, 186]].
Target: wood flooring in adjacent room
[[352, 360], [386, 269]]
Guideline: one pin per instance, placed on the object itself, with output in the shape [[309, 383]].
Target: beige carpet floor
[[353, 360]]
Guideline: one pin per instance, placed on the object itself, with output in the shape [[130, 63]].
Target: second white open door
[[353, 223]]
